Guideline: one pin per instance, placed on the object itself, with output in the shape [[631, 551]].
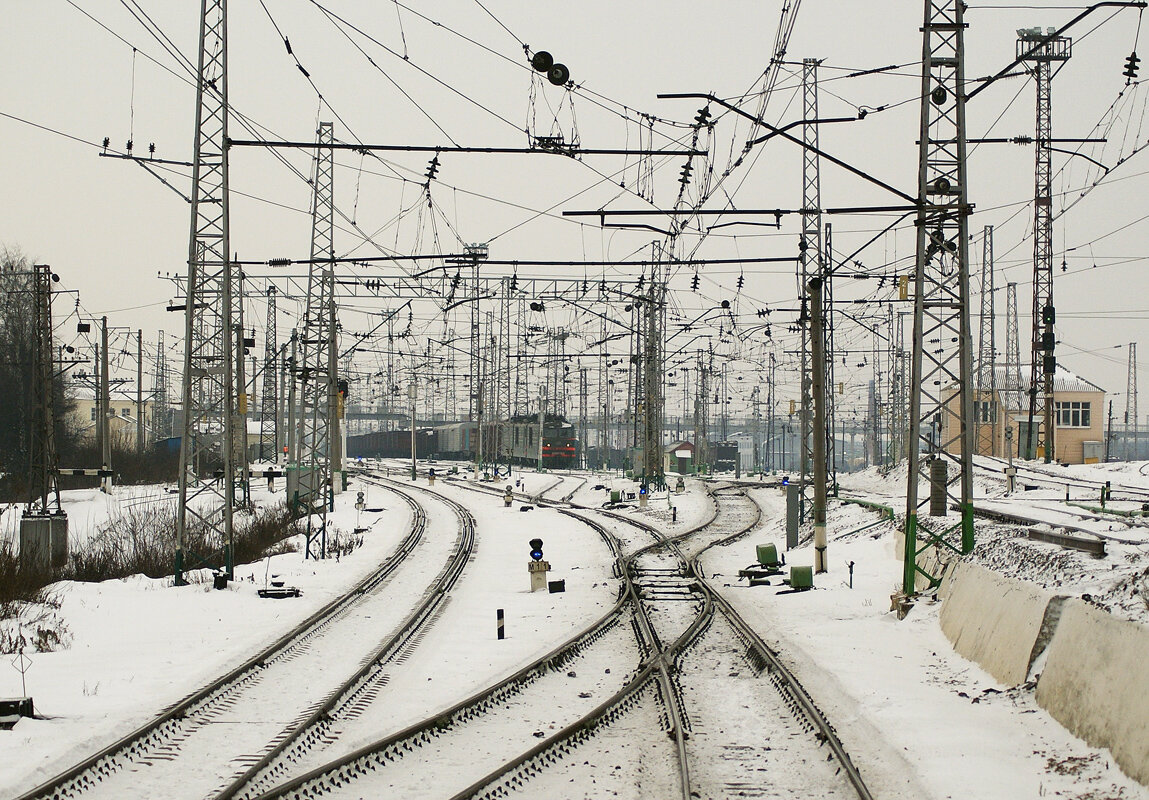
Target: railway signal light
[[536, 549]]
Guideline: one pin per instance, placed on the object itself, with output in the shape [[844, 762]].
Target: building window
[[125, 412], [93, 414], [1072, 415], [986, 411]]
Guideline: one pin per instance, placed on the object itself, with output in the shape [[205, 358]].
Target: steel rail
[[365, 759], [76, 779], [778, 670], [314, 727]]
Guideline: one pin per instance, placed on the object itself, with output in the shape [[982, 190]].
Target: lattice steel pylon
[[45, 481], [941, 400], [1041, 50], [269, 399], [1013, 385], [811, 265], [828, 349], [207, 466], [653, 308], [1131, 406], [986, 413], [161, 406], [317, 387]]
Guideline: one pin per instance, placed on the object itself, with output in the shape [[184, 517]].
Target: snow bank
[[993, 620], [1095, 683]]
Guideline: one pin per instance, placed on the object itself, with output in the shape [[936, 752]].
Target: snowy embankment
[[916, 715]]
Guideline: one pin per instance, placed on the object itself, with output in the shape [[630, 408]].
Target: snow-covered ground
[[919, 720]]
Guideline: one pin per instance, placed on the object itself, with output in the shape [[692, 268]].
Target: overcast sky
[[109, 228]]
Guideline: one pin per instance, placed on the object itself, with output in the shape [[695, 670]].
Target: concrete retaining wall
[[993, 620], [1095, 683]]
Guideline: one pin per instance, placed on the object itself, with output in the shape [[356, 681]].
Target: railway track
[[679, 624], [1054, 480], [281, 701]]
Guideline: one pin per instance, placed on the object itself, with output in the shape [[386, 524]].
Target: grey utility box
[[44, 540]]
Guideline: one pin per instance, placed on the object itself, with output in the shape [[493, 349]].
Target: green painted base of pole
[[967, 528], [909, 565], [179, 576]]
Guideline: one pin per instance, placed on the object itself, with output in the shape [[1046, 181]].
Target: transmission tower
[[207, 467], [317, 389], [1131, 406], [269, 402], [941, 400], [987, 410], [1041, 50], [811, 266]]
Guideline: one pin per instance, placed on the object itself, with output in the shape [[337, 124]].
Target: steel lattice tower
[[45, 464], [1041, 51], [811, 265], [1013, 351], [207, 467], [317, 376], [161, 411], [828, 350], [986, 383], [941, 400], [1131, 406], [269, 402], [652, 309]]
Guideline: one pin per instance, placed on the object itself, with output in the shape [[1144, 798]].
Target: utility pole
[[45, 499], [582, 417], [161, 416], [313, 479], [1014, 389], [770, 454], [652, 308], [268, 418], [542, 417], [811, 266], [412, 396], [106, 407], [1131, 405], [827, 275], [208, 379], [139, 393], [941, 397], [987, 411], [1041, 51], [814, 287]]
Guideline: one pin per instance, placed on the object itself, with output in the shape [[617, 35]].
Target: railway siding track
[[655, 678], [165, 738], [320, 726]]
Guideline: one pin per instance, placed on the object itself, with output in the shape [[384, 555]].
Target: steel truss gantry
[[207, 461], [318, 397], [941, 396]]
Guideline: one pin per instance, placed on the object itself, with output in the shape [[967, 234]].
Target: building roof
[[1015, 397]]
